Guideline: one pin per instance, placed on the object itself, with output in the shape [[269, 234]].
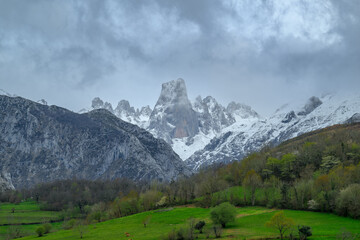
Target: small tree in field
[[146, 220], [40, 231], [223, 214], [81, 228], [304, 232], [280, 223], [217, 231]]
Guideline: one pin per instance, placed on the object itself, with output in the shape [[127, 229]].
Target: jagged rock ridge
[[187, 126], [40, 143]]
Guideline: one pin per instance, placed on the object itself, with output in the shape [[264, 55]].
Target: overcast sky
[[260, 52]]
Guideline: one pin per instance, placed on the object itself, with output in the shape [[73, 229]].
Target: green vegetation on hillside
[[249, 223]]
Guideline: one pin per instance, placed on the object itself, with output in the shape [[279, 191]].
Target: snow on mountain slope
[[123, 111], [185, 147], [290, 121], [187, 126]]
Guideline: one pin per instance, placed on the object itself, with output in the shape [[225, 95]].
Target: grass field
[[249, 224], [24, 213]]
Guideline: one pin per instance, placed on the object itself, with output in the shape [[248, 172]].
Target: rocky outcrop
[[310, 106], [212, 116], [5, 182], [40, 143], [354, 118], [173, 116]]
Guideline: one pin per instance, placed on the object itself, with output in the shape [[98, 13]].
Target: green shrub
[[180, 234], [40, 231], [47, 227], [199, 226], [223, 214], [217, 230], [69, 224], [348, 203], [304, 232], [280, 223]]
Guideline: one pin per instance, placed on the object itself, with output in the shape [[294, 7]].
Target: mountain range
[[187, 126], [40, 143], [203, 132]]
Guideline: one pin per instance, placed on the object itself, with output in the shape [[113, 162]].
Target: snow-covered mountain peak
[[123, 111], [145, 111], [97, 103], [291, 120], [241, 111], [310, 105], [124, 107], [42, 101]]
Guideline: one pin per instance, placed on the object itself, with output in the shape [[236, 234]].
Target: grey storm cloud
[[263, 53]]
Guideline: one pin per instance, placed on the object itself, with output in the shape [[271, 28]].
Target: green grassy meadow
[[25, 212], [249, 224], [25, 215]]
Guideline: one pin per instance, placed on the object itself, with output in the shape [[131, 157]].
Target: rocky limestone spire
[[173, 116]]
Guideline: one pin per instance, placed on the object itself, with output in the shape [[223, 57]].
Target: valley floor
[[249, 224]]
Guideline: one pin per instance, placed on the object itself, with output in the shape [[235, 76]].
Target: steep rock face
[[125, 111], [237, 141], [173, 116], [212, 116], [310, 106], [41, 143], [354, 118], [5, 182]]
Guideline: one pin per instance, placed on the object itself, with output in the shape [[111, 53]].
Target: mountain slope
[[287, 122], [41, 143]]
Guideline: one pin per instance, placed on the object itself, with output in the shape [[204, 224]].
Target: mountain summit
[[173, 116]]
